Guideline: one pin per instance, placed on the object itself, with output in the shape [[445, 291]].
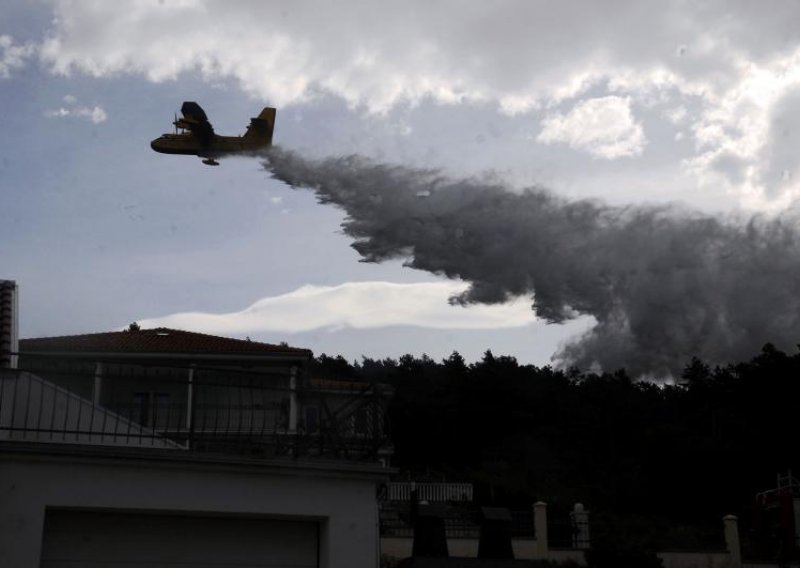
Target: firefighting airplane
[[196, 136]]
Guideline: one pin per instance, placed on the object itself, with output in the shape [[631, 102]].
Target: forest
[[681, 453]]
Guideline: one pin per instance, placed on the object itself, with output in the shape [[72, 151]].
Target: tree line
[[692, 449]]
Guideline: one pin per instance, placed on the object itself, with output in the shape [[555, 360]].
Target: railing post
[[540, 526], [97, 388], [731, 524], [293, 401], [190, 407]]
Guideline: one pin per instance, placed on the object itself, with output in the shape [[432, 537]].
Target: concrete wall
[[34, 477], [695, 559], [566, 554], [524, 548]]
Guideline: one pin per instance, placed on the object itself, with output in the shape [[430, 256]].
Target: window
[[151, 409]]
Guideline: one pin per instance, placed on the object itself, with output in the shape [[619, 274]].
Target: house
[[162, 446]]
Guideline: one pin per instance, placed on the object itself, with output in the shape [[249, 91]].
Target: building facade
[[163, 447]]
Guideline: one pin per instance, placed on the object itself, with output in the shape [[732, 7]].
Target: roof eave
[[249, 357]]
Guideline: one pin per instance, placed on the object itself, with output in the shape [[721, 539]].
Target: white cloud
[[378, 54], [12, 56], [717, 68], [97, 114], [71, 108], [676, 115], [359, 305], [735, 136], [603, 126]]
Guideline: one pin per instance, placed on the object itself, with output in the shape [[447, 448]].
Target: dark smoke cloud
[[663, 283]]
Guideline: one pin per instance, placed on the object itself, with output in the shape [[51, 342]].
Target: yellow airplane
[[196, 136]]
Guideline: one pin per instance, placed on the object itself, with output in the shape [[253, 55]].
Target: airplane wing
[[195, 119]]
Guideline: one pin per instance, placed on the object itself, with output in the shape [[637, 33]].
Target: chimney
[[9, 325]]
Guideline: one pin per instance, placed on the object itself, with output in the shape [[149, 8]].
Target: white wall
[[524, 548], [695, 559], [34, 477]]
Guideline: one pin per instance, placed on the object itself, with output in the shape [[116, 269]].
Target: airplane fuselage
[[217, 146]]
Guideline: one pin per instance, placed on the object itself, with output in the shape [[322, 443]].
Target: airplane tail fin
[[259, 132]]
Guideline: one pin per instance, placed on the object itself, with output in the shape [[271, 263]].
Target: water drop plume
[[663, 283]]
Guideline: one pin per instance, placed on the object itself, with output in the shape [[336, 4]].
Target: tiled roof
[[158, 340]]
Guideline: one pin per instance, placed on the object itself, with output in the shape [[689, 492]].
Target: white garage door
[[111, 540]]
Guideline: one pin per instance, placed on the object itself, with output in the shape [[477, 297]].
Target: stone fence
[[536, 546]]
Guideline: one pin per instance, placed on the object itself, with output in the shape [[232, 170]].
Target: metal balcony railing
[[263, 413]]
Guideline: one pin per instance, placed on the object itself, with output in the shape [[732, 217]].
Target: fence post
[[580, 527], [730, 522], [540, 526]]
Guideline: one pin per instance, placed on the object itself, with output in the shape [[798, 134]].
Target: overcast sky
[[626, 103]]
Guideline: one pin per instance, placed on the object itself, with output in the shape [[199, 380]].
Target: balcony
[[255, 413]]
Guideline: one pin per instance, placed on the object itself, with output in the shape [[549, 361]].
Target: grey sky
[[624, 102]]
